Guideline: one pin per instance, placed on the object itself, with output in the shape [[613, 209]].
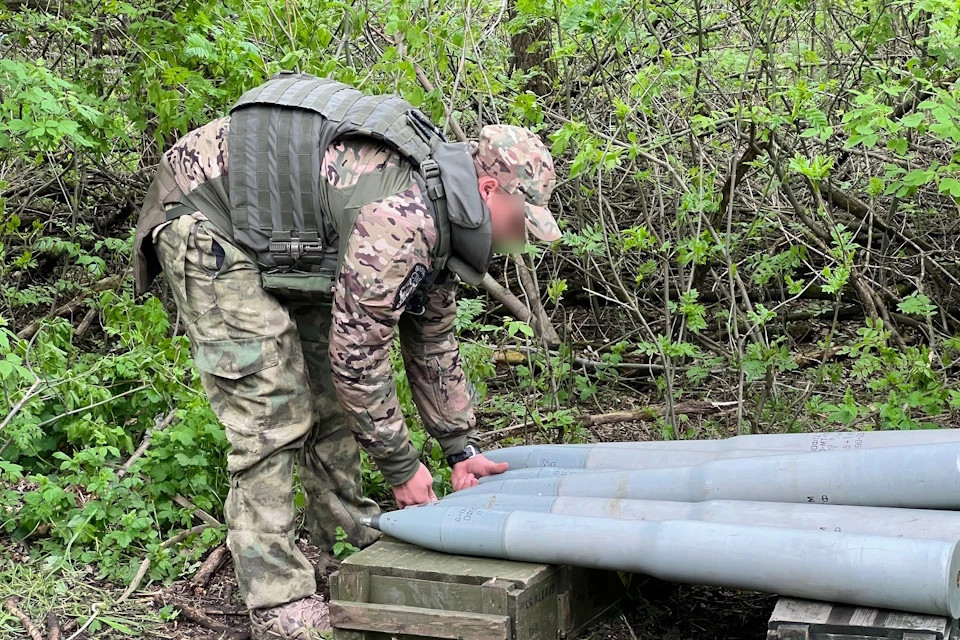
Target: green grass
[[71, 595]]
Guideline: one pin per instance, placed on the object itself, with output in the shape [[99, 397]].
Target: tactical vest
[[281, 211]]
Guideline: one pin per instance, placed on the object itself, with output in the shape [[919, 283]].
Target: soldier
[[297, 235]]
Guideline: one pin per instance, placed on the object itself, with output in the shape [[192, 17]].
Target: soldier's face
[[507, 216]]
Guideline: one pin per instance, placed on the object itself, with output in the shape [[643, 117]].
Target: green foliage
[[917, 303], [342, 549], [41, 111], [648, 110], [901, 387], [70, 438]]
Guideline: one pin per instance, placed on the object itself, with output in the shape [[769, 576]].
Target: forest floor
[[654, 610]]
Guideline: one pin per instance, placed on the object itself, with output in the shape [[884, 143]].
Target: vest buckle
[[292, 249], [430, 171]]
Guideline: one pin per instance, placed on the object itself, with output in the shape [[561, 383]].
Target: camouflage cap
[[521, 163]]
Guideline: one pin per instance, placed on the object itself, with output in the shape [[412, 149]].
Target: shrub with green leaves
[[758, 201]]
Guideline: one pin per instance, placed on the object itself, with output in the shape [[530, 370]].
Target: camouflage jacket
[[388, 249]]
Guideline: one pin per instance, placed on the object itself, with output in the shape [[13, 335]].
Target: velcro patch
[[409, 285]]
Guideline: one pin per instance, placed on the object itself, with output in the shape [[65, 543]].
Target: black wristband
[[468, 452]]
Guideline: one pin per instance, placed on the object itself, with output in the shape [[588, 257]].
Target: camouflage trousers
[[265, 369]]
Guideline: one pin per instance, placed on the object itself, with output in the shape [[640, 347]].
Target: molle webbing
[[278, 133], [383, 117]]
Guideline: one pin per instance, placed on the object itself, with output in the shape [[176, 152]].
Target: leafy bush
[[758, 202]]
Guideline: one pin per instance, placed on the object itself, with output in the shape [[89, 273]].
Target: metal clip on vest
[[294, 251]]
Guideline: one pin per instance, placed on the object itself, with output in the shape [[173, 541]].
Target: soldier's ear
[[487, 187]]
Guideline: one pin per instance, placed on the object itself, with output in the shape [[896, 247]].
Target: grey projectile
[[573, 457], [875, 571], [798, 442], [919, 477], [537, 472], [920, 524]]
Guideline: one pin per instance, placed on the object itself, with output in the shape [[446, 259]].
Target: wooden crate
[[395, 590], [808, 620]]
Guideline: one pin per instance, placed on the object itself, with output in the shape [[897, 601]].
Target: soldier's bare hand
[[465, 474], [416, 490]]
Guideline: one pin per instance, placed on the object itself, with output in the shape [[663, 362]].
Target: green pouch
[[298, 285]]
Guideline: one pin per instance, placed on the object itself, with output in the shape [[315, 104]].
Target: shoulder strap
[[430, 171]]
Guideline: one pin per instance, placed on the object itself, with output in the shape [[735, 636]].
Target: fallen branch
[[160, 425], [816, 357], [649, 414], [515, 356], [835, 196], [209, 567], [505, 297], [53, 626], [96, 609], [145, 565], [200, 513], [226, 612], [20, 404], [25, 620], [199, 617], [84, 325], [645, 414], [111, 282]]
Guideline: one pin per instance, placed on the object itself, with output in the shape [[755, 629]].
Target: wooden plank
[[916, 622], [534, 601], [398, 559], [794, 632], [430, 594], [496, 596], [592, 594], [793, 610], [833, 617], [335, 585], [354, 586], [564, 616], [534, 610], [416, 621]]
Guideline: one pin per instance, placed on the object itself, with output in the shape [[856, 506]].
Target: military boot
[[305, 619]]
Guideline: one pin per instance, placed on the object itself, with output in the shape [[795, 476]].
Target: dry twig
[[209, 567], [160, 425], [145, 565], [25, 620]]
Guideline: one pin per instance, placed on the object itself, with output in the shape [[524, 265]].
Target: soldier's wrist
[[454, 444], [399, 466]]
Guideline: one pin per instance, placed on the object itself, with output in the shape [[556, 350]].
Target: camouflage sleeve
[[389, 245], [442, 391]]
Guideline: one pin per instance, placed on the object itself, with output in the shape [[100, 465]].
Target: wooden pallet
[[395, 590], [794, 619]]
